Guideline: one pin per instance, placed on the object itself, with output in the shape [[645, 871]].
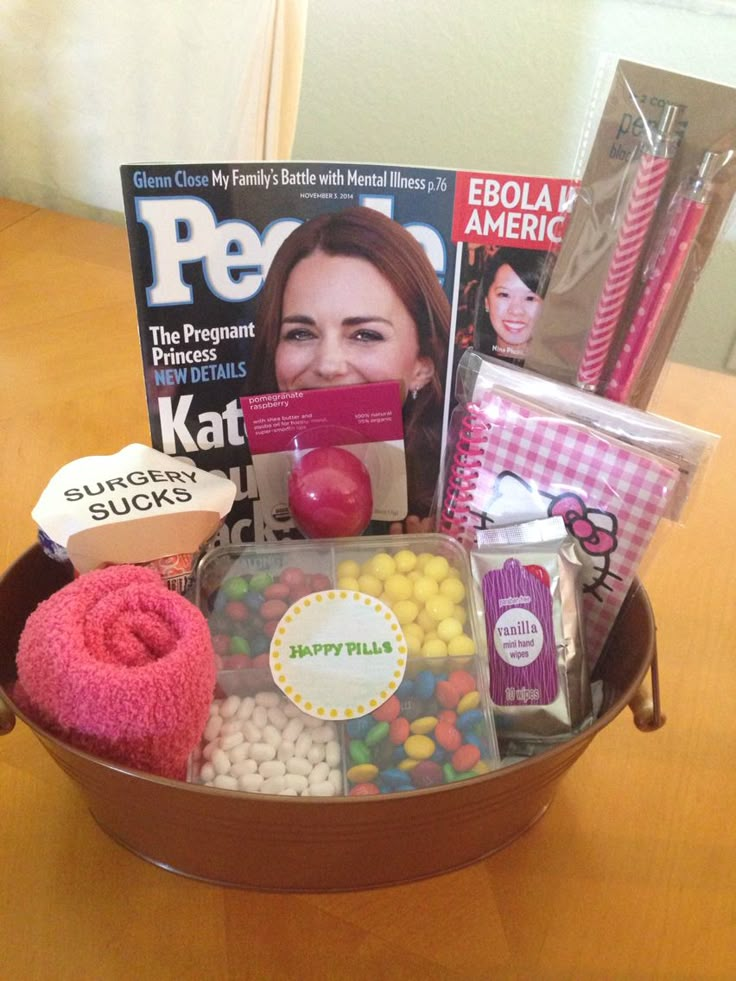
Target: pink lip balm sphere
[[330, 494]]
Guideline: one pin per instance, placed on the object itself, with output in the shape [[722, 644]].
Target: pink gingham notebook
[[514, 461]]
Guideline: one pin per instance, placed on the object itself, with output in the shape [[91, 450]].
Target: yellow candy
[[347, 582], [406, 611], [423, 725], [439, 607], [462, 644], [362, 772], [434, 648], [414, 638], [469, 701], [437, 568], [424, 587], [370, 584], [418, 748], [453, 588], [461, 614], [405, 560], [448, 628], [407, 765], [398, 587], [425, 621], [423, 558], [381, 566], [481, 767], [348, 568]]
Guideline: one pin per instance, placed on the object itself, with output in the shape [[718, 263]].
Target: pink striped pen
[[654, 163], [686, 214]]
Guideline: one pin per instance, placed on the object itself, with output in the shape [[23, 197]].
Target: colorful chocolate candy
[[416, 740]]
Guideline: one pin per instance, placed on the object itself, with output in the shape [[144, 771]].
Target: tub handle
[[646, 705], [7, 718]]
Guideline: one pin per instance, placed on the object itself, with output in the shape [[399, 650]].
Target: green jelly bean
[[239, 645], [260, 581], [359, 752], [376, 734], [235, 588], [454, 776]]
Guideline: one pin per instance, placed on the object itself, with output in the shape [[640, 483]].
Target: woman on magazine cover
[[509, 301], [351, 298]]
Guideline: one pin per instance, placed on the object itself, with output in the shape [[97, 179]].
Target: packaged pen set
[[658, 180]]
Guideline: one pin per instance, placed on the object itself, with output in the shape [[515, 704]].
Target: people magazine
[[213, 324]]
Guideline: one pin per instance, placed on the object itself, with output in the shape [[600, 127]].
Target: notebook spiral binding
[[462, 477]]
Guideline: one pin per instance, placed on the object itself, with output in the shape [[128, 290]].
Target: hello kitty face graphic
[[513, 500]]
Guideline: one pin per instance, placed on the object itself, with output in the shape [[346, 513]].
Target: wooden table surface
[[632, 872]]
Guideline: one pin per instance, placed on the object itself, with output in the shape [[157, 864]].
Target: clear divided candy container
[[346, 667]]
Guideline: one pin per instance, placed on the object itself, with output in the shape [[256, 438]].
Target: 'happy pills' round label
[[338, 654]]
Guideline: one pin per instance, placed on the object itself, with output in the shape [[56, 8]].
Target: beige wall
[[506, 85]]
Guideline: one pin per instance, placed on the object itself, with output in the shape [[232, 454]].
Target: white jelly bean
[[272, 768], [260, 716], [273, 785], [250, 782], [207, 772], [292, 730], [239, 752], [212, 729], [297, 764], [323, 789], [242, 767], [320, 773], [302, 745], [335, 779], [220, 761], [332, 753], [291, 711], [252, 732], [323, 734], [262, 752], [316, 753], [229, 727], [214, 708], [285, 750], [271, 735], [268, 698], [232, 740], [246, 708], [277, 718], [225, 782], [210, 748], [230, 706], [288, 792], [297, 781]]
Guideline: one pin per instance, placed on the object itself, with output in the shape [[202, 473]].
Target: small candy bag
[[530, 583]]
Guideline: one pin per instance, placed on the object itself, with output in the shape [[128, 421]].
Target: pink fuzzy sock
[[120, 666]]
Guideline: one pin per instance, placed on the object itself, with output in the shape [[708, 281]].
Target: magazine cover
[[266, 278]]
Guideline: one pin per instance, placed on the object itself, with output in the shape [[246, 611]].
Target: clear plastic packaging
[[658, 181], [522, 447], [403, 695]]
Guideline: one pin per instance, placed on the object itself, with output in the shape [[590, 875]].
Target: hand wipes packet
[[138, 506], [530, 582]]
